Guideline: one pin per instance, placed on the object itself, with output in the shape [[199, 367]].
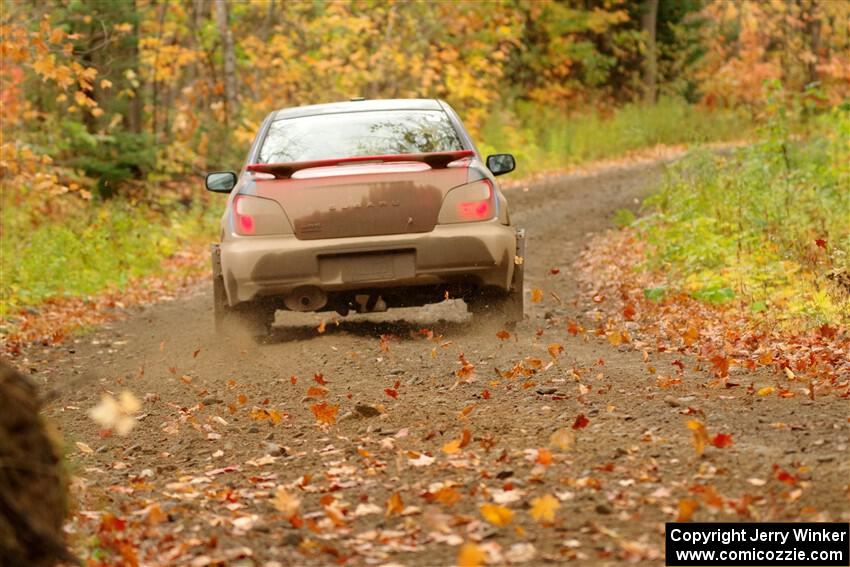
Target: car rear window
[[354, 134]]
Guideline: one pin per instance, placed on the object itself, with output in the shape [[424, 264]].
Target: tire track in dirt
[[620, 480]]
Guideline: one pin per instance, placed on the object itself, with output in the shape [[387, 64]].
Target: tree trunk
[[221, 17], [133, 119], [813, 28], [33, 483], [649, 20]]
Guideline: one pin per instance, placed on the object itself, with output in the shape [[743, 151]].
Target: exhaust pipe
[[308, 298]]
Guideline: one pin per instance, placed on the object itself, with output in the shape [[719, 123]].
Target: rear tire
[[504, 306], [255, 319]]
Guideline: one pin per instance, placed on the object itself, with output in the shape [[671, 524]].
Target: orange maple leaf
[[394, 504], [325, 413]]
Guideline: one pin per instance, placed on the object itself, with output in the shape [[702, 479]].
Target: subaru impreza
[[361, 206]]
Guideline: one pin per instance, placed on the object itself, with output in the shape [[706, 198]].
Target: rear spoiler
[[437, 160]]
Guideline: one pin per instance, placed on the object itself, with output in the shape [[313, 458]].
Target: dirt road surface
[[224, 424]]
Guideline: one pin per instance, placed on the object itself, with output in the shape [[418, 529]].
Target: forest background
[[113, 110]]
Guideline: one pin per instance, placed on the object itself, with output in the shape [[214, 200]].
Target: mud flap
[[519, 262], [215, 253]]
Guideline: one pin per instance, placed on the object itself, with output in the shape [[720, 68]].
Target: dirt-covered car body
[[364, 205]]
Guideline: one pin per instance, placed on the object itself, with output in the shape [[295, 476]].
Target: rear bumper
[[478, 253]]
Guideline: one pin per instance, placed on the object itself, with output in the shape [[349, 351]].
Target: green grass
[[106, 245], [768, 224], [546, 139]]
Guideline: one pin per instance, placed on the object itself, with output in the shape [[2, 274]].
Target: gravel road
[[195, 478]]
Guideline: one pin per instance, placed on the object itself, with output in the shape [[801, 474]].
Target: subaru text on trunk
[[363, 206]]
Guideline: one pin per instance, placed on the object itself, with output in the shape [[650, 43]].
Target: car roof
[[358, 106]]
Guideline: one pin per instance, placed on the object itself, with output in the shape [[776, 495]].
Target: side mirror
[[499, 164], [221, 181]]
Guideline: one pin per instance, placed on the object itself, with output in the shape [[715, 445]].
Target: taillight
[[469, 203], [255, 216]]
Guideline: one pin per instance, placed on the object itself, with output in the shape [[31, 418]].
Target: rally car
[[361, 206]]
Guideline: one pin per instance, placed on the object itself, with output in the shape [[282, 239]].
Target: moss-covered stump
[[32, 483]]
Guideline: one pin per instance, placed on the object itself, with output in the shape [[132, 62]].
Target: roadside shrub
[[768, 224]]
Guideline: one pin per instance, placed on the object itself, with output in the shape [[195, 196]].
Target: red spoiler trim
[[437, 160]]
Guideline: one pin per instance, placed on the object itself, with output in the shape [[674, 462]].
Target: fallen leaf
[[543, 508], [155, 515], [766, 391], [470, 555], [325, 413], [563, 439], [447, 495], [317, 392], [503, 335], [83, 447], [544, 457], [496, 515], [721, 440], [686, 509], [320, 378], [391, 393], [700, 435], [285, 502], [536, 295], [394, 504], [451, 447], [555, 349], [580, 422]]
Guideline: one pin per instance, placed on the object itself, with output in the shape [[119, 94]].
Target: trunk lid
[[363, 199]]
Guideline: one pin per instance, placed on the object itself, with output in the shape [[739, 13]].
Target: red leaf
[[555, 271], [320, 379], [721, 365], [721, 440], [391, 393], [783, 476], [629, 312], [580, 422], [485, 394], [821, 243]]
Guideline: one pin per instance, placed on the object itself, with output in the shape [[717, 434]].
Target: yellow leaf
[[84, 448], [686, 509], [543, 509], [766, 391], [452, 447], [394, 504], [562, 439], [497, 515], [555, 349], [470, 556], [700, 435], [285, 503], [536, 295]]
